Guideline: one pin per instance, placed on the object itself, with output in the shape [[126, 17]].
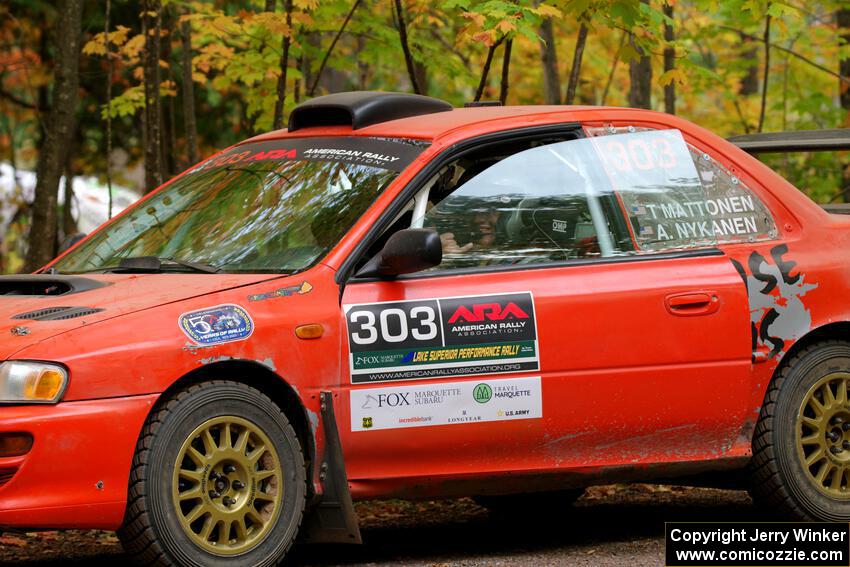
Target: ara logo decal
[[487, 311], [216, 325]]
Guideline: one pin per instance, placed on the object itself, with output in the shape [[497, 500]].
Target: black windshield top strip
[[356, 150]]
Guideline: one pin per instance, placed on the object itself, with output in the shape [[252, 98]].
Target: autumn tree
[[640, 75], [58, 132]]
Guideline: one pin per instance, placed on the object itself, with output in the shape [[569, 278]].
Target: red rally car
[[397, 298]]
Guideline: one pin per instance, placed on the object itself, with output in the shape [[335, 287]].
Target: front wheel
[[801, 447], [218, 478]]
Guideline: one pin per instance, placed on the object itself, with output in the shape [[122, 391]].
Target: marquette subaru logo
[[490, 311], [482, 393], [367, 422]]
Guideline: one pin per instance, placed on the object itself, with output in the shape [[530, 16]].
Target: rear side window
[[620, 195], [738, 214], [735, 211]]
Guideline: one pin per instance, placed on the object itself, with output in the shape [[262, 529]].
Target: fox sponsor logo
[[383, 400], [487, 312]]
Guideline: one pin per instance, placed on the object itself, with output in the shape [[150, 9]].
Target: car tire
[[801, 446], [218, 478], [538, 502]]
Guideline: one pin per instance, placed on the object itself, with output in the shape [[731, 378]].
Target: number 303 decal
[[393, 325]]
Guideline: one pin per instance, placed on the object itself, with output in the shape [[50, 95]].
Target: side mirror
[[407, 251]]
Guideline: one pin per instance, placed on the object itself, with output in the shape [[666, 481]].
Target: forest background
[[132, 92]]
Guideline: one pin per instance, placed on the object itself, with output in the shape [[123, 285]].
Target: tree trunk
[[842, 18], [298, 87], [363, 70], [324, 62], [766, 72], [614, 63], [151, 27], [59, 131], [190, 124], [43, 94], [175, 163], [506, 70], [669, 62], [421, 72], [750, 81], [405, 47], [575, 72], [108, 113], [640, 77], [549, 60], [168, 147], [485, 71], [270, 5], [69, 225], [284, 66]]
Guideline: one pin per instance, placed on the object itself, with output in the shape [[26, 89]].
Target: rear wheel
[[801, 447], [218, 479]]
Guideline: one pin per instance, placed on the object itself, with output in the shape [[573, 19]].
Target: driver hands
[[450, 245]]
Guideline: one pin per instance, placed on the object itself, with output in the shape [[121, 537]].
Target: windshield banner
[[381, 153]]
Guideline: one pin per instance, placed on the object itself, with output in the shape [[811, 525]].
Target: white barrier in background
[[89, 206]]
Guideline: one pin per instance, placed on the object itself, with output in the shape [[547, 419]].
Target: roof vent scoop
[[359, 109]]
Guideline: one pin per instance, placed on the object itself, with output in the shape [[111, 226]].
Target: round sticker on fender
[[216, 325]]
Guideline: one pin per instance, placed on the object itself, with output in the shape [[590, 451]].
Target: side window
[[736, 213], [583, 198]]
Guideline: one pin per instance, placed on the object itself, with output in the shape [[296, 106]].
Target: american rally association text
[[726, 536]]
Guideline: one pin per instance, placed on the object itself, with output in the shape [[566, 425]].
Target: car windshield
[[275, 206]]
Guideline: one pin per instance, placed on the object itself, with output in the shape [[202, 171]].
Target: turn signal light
[[307, 332], [29, 381], [15, 444], [44, 386]]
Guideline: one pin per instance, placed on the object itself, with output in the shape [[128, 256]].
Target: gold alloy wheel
[[227, 485], [823, 435]]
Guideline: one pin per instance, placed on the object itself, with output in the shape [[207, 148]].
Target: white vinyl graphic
[[446, 403]]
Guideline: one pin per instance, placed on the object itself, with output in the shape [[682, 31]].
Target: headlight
[[32, 382]]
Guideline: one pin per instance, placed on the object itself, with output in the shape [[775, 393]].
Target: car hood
[[37, 307]]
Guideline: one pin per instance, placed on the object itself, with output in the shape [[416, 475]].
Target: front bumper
[[76, 474]]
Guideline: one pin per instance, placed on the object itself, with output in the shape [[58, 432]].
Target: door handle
[[693, 303]]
